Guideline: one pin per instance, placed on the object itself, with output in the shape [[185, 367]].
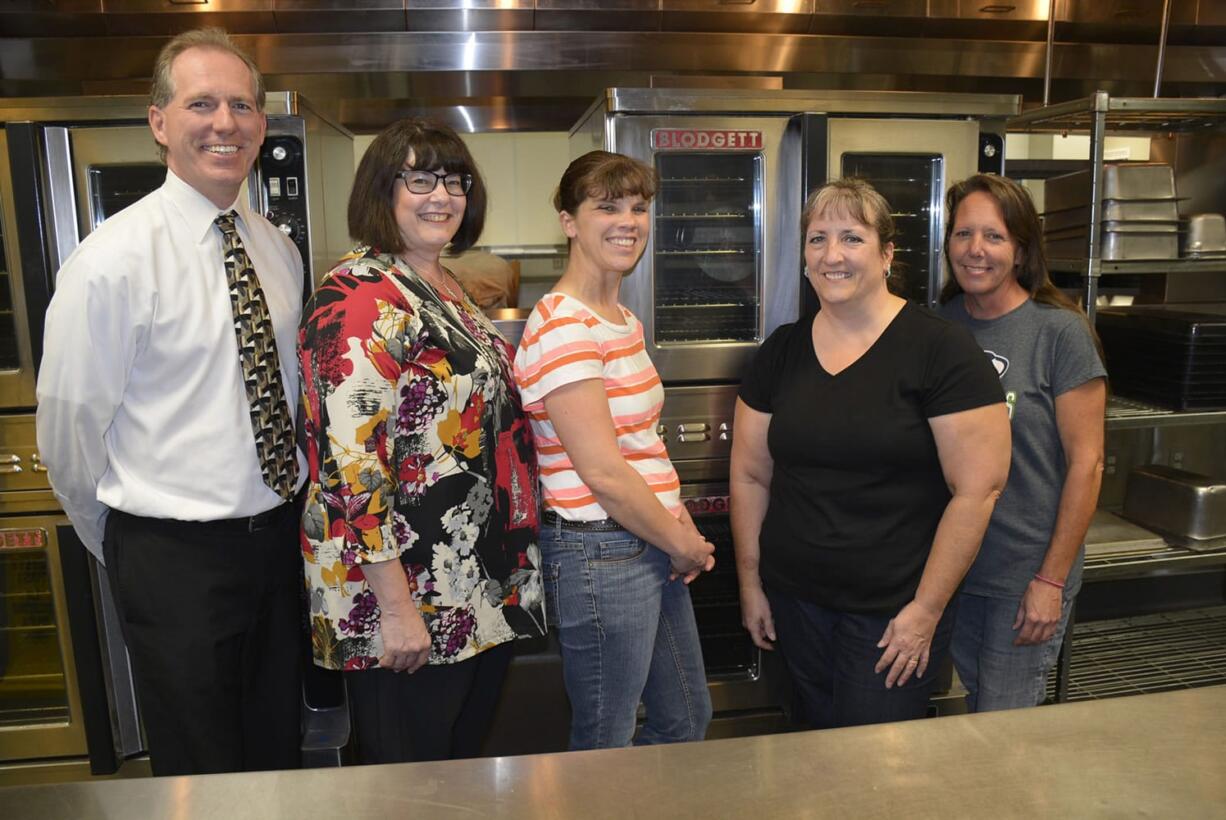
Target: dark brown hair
[[1022, 223], [603, 175], [372, 217]]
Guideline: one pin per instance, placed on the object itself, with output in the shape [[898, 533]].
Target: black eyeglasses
[[424, 182]]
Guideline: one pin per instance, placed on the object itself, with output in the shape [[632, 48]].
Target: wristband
[[1049, 581]]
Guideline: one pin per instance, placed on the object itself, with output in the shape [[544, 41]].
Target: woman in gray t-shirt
[[1015, 603]]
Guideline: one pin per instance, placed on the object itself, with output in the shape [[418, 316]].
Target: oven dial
[[288, 224]]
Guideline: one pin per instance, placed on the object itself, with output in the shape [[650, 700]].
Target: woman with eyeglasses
[[419, 530]]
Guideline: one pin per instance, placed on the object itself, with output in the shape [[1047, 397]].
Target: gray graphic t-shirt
[[1039, 352]]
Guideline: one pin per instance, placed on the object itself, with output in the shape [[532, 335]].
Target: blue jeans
[[831, 654], [627, 633], [998, 675]]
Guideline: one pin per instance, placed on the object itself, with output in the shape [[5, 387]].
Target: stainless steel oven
[[723, 266], [66, 165]]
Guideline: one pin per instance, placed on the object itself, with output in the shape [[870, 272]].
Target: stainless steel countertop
[[1148, 756]]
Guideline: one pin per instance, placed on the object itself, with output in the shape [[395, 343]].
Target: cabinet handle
[[998, 8], [10, 468]]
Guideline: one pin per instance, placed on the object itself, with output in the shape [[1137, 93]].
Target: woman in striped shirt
[[618, 546]]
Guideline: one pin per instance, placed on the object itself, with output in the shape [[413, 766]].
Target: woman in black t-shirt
[[871, 444]]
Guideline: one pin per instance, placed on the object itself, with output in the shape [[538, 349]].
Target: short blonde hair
[[162, 90]]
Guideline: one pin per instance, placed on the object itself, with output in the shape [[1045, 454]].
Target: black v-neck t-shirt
[[857, 488]]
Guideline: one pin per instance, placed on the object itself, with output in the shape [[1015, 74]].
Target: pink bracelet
[[1049, 581]]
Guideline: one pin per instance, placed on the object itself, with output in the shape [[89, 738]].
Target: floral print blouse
[[417, 451]]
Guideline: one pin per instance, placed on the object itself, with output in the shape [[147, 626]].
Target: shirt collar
[[196, 209]]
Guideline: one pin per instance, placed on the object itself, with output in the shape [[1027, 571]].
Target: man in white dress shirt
[[145, 424]]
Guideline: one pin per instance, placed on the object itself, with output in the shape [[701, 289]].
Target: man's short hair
[[163, 89]]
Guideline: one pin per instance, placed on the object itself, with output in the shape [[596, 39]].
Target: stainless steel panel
[[597, 15], [765, 16], [469, 15], [1035, 10], [339, 15], [873, 8], [16, 382], [60, 218], [149, 17], [1066, 760], [755, 101], [59, 18], [1113, 12]]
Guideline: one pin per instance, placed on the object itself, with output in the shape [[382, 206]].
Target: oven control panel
[[696, 421], [283, 176]]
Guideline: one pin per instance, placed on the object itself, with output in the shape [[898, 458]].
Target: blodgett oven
[[66, 165], [723, 269]]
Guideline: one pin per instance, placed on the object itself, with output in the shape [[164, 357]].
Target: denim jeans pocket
[[617, 551], [550, 571]]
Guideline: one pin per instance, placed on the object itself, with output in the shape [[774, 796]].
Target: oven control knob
[[691, 506], [720, 504], [287, 224]]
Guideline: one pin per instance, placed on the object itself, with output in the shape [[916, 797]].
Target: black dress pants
[[439, 712], [211, 617]]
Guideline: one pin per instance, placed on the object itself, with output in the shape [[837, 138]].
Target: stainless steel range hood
[[536, 64]]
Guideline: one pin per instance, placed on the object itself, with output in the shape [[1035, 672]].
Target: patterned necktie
[[271, 421]]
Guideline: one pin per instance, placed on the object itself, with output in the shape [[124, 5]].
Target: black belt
[[552, 519], [250, 523]]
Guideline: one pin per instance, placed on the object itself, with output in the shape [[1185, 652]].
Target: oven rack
[[1150, 653], [1127, 413], [697, 180], [705, 215]]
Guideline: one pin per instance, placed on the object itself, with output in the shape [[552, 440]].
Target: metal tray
[[1114, 210], [1189, 505], [1123, 180], [1116, 246]]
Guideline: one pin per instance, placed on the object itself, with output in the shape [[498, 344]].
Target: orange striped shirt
[[565, 342]]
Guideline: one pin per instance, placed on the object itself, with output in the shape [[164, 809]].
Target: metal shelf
[[1152, 653], [1136, 266], [1167, 560], [1133, 414], [1145, 114]]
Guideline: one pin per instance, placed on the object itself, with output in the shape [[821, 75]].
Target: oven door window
[[114, 187], [708, 241], [911, 183], [33, 689]]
